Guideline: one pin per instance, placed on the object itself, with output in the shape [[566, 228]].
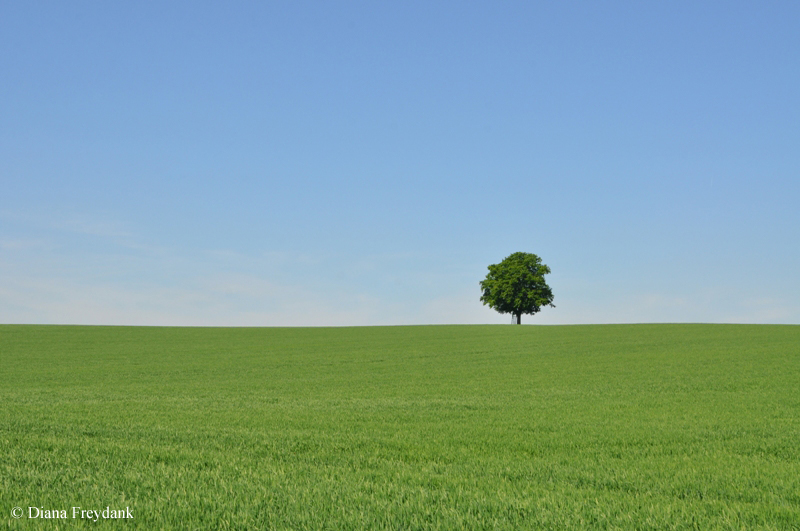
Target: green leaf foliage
[[517, 285]]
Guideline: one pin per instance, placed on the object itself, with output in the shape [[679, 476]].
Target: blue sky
[[361, 163]]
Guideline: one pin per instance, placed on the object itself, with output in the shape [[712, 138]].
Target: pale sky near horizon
[[361, 163]]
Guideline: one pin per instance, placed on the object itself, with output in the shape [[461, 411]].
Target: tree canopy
[[516, 286]]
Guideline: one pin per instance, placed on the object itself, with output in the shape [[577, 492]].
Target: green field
[[428, 427]]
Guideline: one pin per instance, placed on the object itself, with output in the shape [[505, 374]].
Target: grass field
[[432, 427]]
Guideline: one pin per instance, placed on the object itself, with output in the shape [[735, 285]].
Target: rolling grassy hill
[[429, 427]]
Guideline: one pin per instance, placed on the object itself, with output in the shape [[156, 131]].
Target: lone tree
[[516, 286]]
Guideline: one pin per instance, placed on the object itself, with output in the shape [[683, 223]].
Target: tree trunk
[[519, 318]]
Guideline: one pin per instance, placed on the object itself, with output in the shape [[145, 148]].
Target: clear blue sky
[[358, 163]]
